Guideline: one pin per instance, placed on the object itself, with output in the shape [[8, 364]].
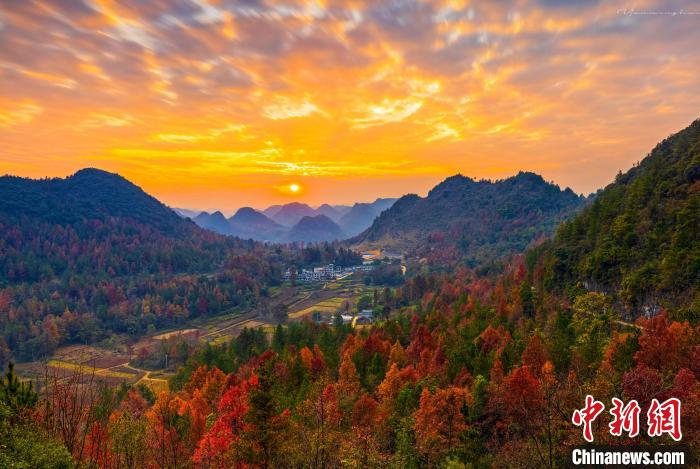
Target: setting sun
[[294, 188]]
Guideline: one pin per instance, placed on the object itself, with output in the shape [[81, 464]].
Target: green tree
[[22, 445]]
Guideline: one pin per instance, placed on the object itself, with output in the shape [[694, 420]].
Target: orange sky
[[219, 104]]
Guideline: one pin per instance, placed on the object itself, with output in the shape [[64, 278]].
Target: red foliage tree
[[439, 421]]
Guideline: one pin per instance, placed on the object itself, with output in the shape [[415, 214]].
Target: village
[[326, 273]]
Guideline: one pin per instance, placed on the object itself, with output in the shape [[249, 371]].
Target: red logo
[[625, 418], [664, 417], [587, 415]]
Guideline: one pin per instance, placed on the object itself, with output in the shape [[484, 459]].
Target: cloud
[[387, 111], [286, 108], [573, 89], [97, 120], [12, 114], [211, 134], [443, 131]]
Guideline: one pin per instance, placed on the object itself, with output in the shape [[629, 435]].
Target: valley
[[112, 361], [401, 234]]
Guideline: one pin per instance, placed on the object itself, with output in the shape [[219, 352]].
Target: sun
[[294, 188]]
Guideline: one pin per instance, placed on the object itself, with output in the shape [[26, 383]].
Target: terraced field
[[330, 305], [98, 372], [179, 332]]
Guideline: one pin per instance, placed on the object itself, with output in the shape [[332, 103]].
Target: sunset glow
[[214, 104]]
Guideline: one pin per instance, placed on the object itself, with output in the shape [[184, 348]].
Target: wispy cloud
[[387, 111], [14, 113], [286, 108], [97, 119]]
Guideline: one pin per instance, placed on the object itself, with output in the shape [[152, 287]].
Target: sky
[[216, 104]]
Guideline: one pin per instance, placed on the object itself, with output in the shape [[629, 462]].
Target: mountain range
[[473, 221], [293, 222]]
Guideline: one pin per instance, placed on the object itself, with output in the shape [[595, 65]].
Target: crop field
[[156, 385], [115, 372], [177, 333], [226, 330], [330, 305], [89, 356]]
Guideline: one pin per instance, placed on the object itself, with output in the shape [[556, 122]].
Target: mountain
[[358, 219], [93, 255], [342, 209], [361, 216], [95, 223], [640, 239], [186, 213], [249, 223], [215, 222], [464, 219], [89, 194], [273, 223], [271, 210], [290, 214], [329, 211], [317, 228]]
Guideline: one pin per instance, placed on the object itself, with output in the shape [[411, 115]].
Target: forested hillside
[[463, 220], [466, 370], [92, 255], [640, 239]]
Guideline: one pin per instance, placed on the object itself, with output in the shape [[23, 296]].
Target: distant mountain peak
[[291, 213], [315, 228], [245, 212], [249, 223], [215, 222], [275, 222], [294, 205]]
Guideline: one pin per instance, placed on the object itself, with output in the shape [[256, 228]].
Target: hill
[[249, 223], [186, 213], [271, 210], [290, 214], [89, 194], [215, 222], [361, 216], [329, 211], [312, 229], [639, 239], [475, 221], [275, 222], [91, 255]]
